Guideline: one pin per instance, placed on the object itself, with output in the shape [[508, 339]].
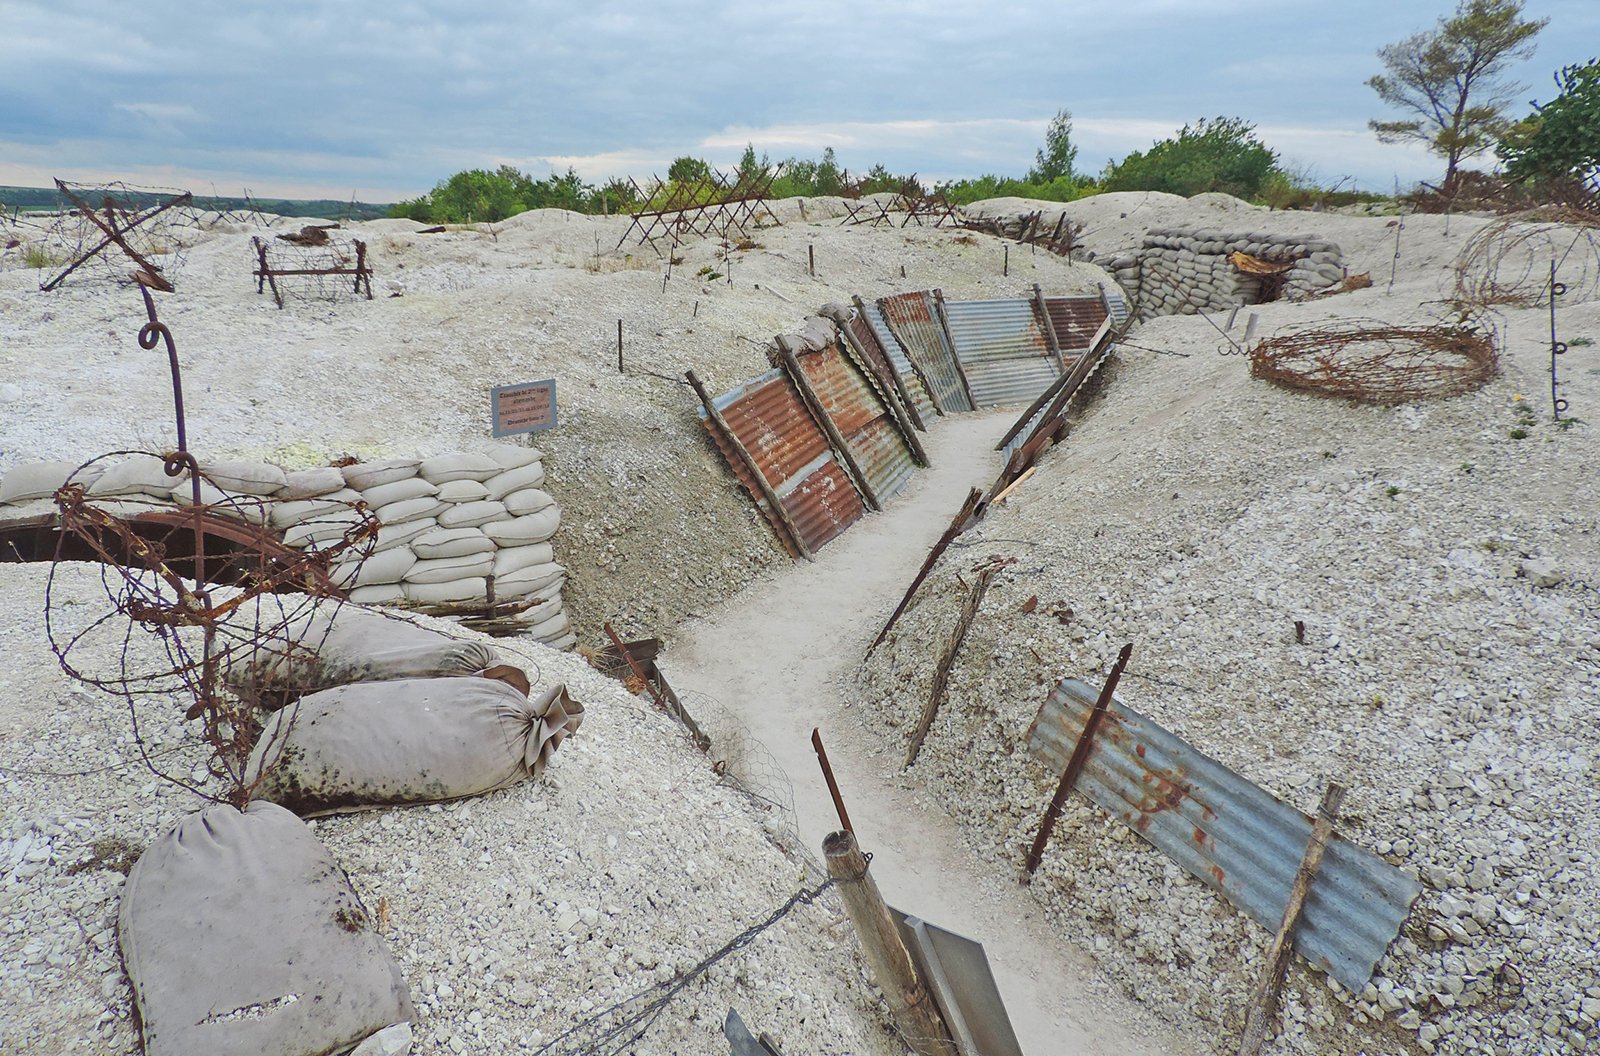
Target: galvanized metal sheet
[[874, 321], [1117, 305], [956, 970], [859, 414], [911, 318], [1002, 349], [1227, 832], [1009, 382], [771, 421], [1076, 320]]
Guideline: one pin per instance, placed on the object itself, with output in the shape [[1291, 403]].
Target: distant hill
[[34, 199]]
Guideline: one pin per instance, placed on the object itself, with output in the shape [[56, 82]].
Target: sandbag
[[246, 478], [510, 456], [137, 475], [364, 475], [390, 566], [393, 535], [398, 491], [456, 591], [512, 558], [471, 514], [466, 465], [418, 740], [526, 476], [527, 500], [242, 937], [39, 480], [532, 528], [451, 542], [419, 508], [556, 625], [251, 509], [526, 580], [353, 644], [311, 483], [285, 514], [322, 529], [378, 594], [445, 569], [463, 491]]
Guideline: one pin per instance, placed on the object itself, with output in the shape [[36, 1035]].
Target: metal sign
[[529, 407]]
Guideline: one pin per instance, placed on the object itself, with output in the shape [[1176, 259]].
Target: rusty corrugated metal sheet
[[1227, 832], [858, 413], [879, 327], [911, 318], [772, 422], [1002, 349], [1076, 320]]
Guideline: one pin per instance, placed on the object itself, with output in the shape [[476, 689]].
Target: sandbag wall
[[1181, 271], [459, 532]]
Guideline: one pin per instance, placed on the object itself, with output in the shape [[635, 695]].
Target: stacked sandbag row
[[456, 529], [1180, 271]]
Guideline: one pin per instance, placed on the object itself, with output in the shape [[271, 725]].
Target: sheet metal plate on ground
[[1230, 834], [957, 970]]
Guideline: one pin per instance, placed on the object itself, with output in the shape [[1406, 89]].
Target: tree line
[[1448, 82]]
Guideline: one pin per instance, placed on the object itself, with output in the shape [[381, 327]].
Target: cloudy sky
[[316, 98]]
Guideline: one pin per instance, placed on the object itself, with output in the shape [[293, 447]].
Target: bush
[[1214, 154]]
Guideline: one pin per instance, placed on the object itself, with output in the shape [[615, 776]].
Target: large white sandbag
[[364, 475], [471, 514], [393, 535], [351, 644], [531, 528], [242, 937], [252, 509], [526, 580], [27, 481], [285, 514], [390, 566], [527, 500], [511, 558], [451, 542], [398, 491], [454, 592], [463, 491], [312, 483], [526, 476], [417, 740], [244, 477], [445, 569], [510, 456], [555, 625], [378, 594], [465, 465], [322, 529], [423, 507], [135, 475]]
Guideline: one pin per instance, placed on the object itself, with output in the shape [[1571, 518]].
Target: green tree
[[1058, 155], [1562, 137], [1214, 154], [1451, 79], [829, 179], [688, 170]]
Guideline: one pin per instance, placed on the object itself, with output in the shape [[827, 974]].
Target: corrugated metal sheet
[[770, 419], [1229, 833], [1076, 320], [857, 410], [1117, 305], [879, 326], [911, 317], [1002, 349]]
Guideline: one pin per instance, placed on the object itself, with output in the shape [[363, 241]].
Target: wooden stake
[[1051, 337], [619, 346], [825, 422], [811, 260], [957, 526], [918, 1018], [1264, 1002], [941, 673], [1013, 486]]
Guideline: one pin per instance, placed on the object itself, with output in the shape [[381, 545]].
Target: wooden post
[[752, 465], [915, 368], [811, 260], [1005, 269], [1080, 754], [941, 673], [619, 345], [1264, 1001], [885, 952], [950, 343], [1050, 335], [900, 413], [963, 515], [825, 421]]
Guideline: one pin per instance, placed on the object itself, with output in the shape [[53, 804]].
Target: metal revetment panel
[[1230, 834], [1002, 349], [771, 421], [1002, 382], [1076, 320], [911, 318], [956, 969], [876, 323], [1117, 305], [858, 413]]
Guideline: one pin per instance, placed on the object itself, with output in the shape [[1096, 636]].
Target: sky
[[325, 99]]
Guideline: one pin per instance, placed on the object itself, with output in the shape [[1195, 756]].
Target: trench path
[[780, 657]]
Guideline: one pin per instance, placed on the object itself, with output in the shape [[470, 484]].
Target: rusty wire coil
[[1378, 363], [1509, 262]]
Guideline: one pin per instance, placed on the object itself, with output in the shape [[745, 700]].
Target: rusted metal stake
[[921, 1025], [1264, 1002], [811, 260], [1006, 268], [633, 665], [827, 775], [1080, 754], [619, 347]]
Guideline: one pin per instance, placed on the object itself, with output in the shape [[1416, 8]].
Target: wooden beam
[[941, 673], [825, 422]]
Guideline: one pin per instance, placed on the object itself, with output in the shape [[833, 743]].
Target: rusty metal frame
[[265, 274], [115, 228], [711, 204]]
